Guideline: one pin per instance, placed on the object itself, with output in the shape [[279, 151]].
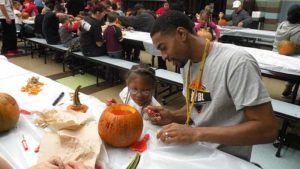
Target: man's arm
[[260, 127], [247, 19], [179, 116], [4, 12]]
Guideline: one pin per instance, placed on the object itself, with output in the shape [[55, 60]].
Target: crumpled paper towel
[[80, 145], [62, 119]]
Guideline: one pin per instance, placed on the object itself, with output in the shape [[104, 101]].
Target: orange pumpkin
[[222, 22], [120, 125], [9, 112], [205, 34], [25, 15], [77, 106], [286, 47]]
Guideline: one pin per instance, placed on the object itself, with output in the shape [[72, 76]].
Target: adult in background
[[239, 16], [91, 39], [226, 102], [9, 37], [289, 30]]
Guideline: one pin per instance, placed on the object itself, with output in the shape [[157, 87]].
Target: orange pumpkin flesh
[[9, 112], [120, 125], [286, 47], [205, 34]]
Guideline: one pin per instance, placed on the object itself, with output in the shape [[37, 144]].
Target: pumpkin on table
[[120, 125], [9, 112], [77, 106], [286, 47], [25, 15]]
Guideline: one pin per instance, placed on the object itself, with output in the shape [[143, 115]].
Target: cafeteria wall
[[275, 10]]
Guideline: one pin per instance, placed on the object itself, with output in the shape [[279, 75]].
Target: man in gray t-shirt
[[226, 102]]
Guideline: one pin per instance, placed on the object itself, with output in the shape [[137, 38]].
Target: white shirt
[[123, 95], [9, 8]]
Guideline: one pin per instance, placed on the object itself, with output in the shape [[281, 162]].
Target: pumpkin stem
[[76, 100]]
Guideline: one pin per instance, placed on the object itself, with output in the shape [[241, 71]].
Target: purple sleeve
[[214, 27]]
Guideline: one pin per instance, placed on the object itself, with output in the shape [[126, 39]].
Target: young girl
[[18, 15], [206, 23], [140, 87], [67, 31]]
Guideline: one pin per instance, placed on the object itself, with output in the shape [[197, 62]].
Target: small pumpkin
[[286, 47], [222, 22], [205, 34], [120, 125], [25, 15], [77, 106], [9, 112]]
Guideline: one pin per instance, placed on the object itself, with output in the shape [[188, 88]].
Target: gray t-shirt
[[231, 76]]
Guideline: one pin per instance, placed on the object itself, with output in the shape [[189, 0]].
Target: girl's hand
[[110, 102], [159, 115], [177, 134]]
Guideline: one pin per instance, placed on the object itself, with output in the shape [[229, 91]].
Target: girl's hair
[[294, 14], [16, 4], [63, 18], [142, 70]]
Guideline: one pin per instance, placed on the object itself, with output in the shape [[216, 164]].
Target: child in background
[[206, 23], [68, 31], [30, 8], [140, 87], [18, 15], [113, 37]]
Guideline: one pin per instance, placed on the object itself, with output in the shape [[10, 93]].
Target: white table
[[157, 156], [247, 32]]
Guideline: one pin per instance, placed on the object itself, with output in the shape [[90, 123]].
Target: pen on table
[[61, 95]]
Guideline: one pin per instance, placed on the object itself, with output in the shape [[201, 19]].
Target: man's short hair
[[170, 21], [294, 14]]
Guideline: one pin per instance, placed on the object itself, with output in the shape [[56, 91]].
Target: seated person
[[18, 15], [30, 8], [67, 31], [50, 24], [162, 9], [139, 90], [239, 17], [205, 23], [289, 30], [38, 22], [113, 37], [91, 39]]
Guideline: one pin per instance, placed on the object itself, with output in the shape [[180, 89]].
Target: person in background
[[18, 15], [206, 23], [68, 31], [39, 4], [289, 30], [226, 103], [113, 37], [9, 37], [239, 17], [162, 9], [50, 24], [38, 22], [117, 10], [74, 7], [30, 8], [91, 39], [139, 90]]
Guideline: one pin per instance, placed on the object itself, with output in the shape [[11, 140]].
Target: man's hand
[[177, 134], [77, 165], [159, 115], [53, 163], [8, 20], [240, 24]]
